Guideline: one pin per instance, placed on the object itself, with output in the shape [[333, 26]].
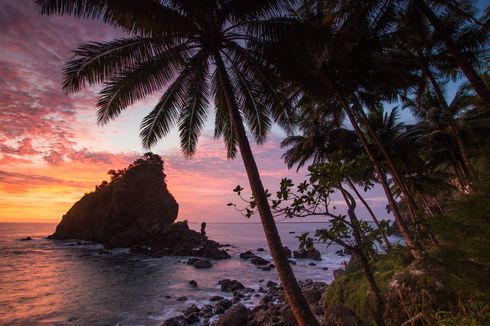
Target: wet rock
[[292, 262], [193, 283], [221, 306], [230, 285], [191, 309], [288, 252], [235, 316], [270, 284], [265, 269], [312, 264], [192, 318], [139, 249], [340, 315], [199, 263], [26, 239], [324, 268], [175, 321], [247, 255], [215, 298], [260, 249], [259, 261], [311, 253], [182, 298], [292, 232]]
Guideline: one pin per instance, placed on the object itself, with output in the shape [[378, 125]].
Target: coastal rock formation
[[135, 210], [122, 213]]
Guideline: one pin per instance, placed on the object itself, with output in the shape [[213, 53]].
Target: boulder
[[175, 321], [247, 255], [235, 316], [311, 253], [193, 283], [199, 263], [230, 285], [26, 239]]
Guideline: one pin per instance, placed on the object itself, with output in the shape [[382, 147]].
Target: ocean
[[67, 283]]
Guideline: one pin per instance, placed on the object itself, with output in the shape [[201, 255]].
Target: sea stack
[[126, 211]]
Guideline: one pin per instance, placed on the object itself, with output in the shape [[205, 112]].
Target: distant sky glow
[[52, 151]]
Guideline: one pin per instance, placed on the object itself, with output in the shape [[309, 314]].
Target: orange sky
[[52, 151]]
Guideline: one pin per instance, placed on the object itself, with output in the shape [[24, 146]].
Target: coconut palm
[[349, 56], [196, 51], [462, 10]]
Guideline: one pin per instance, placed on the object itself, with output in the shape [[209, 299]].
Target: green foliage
[[352, 289]]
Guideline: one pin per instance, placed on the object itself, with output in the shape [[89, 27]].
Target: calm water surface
[[65, 283]]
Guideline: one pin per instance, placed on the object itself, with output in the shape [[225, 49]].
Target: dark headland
[[135, 210]]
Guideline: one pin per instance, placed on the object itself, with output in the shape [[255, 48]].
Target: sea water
[[67, 282]]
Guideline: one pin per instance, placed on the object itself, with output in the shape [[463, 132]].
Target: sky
[[52, 151]]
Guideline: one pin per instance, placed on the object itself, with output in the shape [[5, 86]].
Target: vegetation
[[328, 72]]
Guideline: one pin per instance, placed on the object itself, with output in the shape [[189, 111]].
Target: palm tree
[[196, 51], [323, 136], [349, 58], [446, 35]]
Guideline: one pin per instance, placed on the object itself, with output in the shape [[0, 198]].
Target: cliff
[[126, 211]]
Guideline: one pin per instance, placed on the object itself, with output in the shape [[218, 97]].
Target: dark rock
[[324, 268], [235, 316], [288, 252], [135, 210], [265, 269], [125, 210], [312, 293], [182, 298], [139, 249], [215, 298], [199, 263], [312, 264], [221, 306], [175, 321], [104, 252], [191, 309], [259, 261], [270, 284], [292, 262], [247, 255], [230, 285], [192, 318], [337, 273], [311, 253], [193, 283], [167, 296], [340, 315], [260, 249], [26, 239], [292, 232], [340, 253], [287, 316]]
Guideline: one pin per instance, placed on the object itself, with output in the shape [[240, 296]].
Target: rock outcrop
[[122, 213], [136, 210]]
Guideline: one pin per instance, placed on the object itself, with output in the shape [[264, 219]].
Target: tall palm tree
[[196, 51], [348, 58], [456, 8]]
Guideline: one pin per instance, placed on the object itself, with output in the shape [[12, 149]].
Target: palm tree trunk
[[370, 211], [398, 178], [414, 247], [427, 205], [475, 80], [457, 135], [294, 296], [373, 285]]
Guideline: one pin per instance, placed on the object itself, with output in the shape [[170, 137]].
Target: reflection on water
[[68, 282]]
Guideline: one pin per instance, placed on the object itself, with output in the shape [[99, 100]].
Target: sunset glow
[[52, 151]]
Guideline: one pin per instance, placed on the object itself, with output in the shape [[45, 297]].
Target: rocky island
[[135, 210]]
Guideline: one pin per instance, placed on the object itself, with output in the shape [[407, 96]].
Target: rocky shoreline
[[265, 306]]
